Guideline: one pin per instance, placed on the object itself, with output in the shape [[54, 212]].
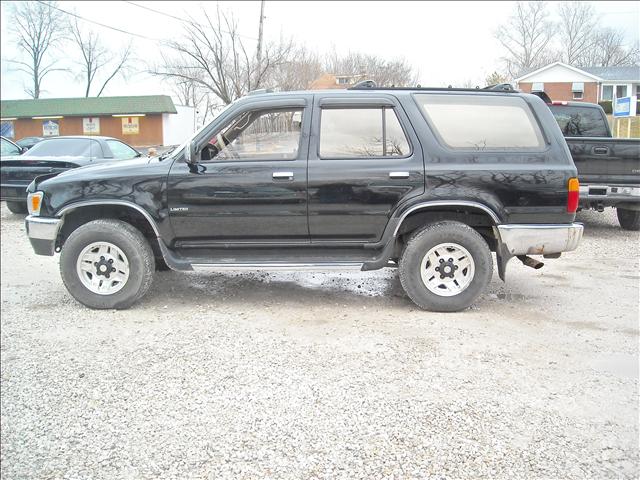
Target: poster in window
[[6, 129], [130, 126], [50, 128], [91, 126]]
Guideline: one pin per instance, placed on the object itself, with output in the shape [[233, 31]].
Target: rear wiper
[[167, 153]]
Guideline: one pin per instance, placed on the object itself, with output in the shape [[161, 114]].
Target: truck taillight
[[574, 195]]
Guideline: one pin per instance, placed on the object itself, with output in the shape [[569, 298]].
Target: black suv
[[430, 181]]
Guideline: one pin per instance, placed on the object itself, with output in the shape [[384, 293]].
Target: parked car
[[429, 181], [608, 168], [8, 148], [28, 142], [55, 155]]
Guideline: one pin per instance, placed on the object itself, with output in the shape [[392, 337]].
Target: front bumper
[[540, 239], [42, 233], [13, 192]]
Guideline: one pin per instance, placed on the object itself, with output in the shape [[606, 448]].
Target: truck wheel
[[107, 264], [17, 207], [445, 266], [629, 219]]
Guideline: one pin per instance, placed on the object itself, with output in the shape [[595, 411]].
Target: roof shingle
[[92, 106]]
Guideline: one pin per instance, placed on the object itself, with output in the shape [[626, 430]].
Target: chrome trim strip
[[282, 175], [87, 203], [225, 267], [42, 228], [540, 239], [446, 203]]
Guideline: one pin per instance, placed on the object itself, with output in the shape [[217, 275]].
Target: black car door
[[364, 159], [250, 180]]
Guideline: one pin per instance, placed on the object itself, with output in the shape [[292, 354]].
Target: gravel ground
[[325, 375]]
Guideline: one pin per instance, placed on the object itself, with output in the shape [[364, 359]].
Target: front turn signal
[[34, 202], [574, 195]]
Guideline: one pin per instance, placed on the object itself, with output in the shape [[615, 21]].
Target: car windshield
[[8, 148], [63, 147]]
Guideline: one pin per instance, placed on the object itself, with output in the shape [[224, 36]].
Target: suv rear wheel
[[107, 264], [629, 219], [445, 266], [17, 207]]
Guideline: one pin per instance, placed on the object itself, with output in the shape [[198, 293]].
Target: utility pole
[[259, 53]]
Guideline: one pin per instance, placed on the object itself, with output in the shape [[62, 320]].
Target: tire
[[135, 251], [475, 274], [629, 219], [17, 207]]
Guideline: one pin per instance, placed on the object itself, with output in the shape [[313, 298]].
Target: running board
[[226, 267]]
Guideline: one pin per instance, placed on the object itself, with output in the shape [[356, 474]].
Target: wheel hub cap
[[447, 269], [103, 268]]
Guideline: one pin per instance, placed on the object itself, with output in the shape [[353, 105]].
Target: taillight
[[574, 195]]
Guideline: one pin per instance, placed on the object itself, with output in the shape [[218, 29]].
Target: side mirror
[[23, 150], [190, 153]]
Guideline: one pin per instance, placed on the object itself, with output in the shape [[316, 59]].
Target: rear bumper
[[540, 239], [593, 194], [42, 233]]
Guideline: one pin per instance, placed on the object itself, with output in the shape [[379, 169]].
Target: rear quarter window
[[580, 121], [479, 122]]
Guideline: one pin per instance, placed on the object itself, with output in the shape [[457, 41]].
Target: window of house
[[537, 87], [621, 91], [343, 80], [577, 95], [607, 92], [361, 133], [577, 88], [482, 122], [258, 135]]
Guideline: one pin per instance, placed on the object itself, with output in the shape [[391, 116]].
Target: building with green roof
[[146, 120]]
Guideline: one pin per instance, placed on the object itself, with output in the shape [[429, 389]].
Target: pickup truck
[[429, 181], [608, 168]]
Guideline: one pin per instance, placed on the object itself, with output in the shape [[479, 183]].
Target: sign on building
[[50, 128], [130, 125], [6, 129], [91, 126], [625, 107]]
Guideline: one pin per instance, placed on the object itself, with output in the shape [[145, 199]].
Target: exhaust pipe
[[530, 262]]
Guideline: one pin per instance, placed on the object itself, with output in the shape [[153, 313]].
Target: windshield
[[580, 121], [66, 147], [8, 148]]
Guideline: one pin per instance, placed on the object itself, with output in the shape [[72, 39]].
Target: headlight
[[34, 202]]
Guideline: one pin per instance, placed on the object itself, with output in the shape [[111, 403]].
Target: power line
[[157, 40], [159, 12]]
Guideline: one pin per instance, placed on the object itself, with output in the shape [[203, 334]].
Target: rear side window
[[478, 122], [580, 121], [361, 133]]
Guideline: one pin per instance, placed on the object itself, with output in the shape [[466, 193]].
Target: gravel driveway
[[325, 375]]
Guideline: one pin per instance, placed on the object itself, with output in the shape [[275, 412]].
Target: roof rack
[[371, 85], [261, 91]]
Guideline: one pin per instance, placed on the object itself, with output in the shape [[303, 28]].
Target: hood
[[106, 166]]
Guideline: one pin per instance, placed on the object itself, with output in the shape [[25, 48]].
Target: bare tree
[[214, 56], [394, 72], [39, 27], [95, 58], [609, 49], [577, 27], [298, 72], [526, 37]]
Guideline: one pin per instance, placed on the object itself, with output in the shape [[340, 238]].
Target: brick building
[[139, 121], [587, 84]]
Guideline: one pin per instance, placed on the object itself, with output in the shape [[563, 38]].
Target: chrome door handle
[[398, 174], [282, 175]]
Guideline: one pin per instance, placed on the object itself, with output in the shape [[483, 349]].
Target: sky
[[447, 42]]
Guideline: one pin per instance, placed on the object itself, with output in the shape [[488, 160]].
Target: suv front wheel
[[107, 264], [445, 266]]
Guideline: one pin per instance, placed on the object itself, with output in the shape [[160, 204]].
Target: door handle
[[600, 150], [282, 175], [398, 174]]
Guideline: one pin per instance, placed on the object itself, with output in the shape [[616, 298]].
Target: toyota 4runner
[[430, 181]]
